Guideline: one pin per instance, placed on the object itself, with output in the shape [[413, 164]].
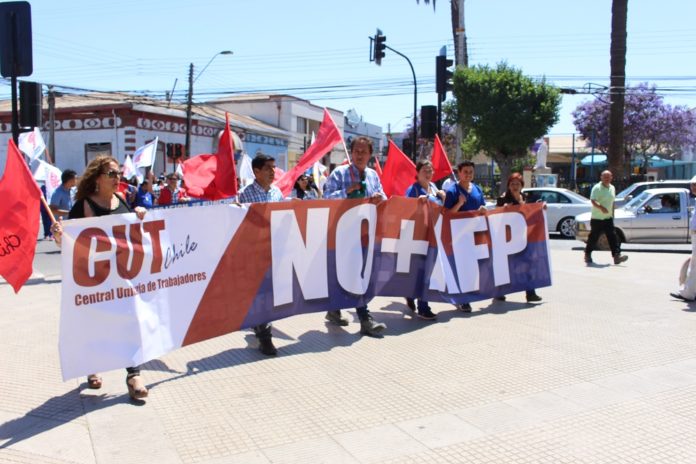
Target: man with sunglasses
[[171, 193]]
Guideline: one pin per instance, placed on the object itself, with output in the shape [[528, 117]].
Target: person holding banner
[[97, 196], [260, 191], [464, 196], [356, 180], [514, 196], [424, 190]]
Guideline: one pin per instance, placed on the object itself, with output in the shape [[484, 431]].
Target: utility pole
[[189, 111], [51, 122]]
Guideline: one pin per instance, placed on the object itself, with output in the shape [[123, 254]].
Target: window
[[92, 150]]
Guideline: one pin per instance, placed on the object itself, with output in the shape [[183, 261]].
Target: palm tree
[[616, 158], [460, 48]]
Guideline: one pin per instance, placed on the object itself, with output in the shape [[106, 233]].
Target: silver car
[[562, 205], [654, 216]]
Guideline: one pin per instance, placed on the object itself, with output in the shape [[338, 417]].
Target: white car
[[562, 207]]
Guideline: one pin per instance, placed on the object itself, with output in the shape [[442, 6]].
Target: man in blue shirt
[[61, 201], [262, 191], [464, 196], [356, 180]]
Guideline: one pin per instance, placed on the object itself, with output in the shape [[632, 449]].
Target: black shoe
[[588, 258], [426, 314], [500, 298], [679, 297], [618, 259], [533, 298], [411, 303], [465, 308], [335, 317], [370, 327], [266, 347]]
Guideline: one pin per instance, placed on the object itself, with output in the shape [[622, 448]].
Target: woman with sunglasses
[[97, 196], [304, 189]]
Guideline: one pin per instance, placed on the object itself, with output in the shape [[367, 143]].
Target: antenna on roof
[[171, 94]]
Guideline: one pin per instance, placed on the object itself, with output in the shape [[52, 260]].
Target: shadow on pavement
[[55, 412]]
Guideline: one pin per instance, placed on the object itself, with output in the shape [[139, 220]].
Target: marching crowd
[[102, 191]]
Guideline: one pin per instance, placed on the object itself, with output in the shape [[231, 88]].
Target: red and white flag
[[50, 175], [19, 219], [144, 157], [129, 170], [32, 144]]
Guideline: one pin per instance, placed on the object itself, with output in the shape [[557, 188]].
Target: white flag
[[144, 157], [246, 173], [129, 169], [50, 175], [32, 144], [179, 170]]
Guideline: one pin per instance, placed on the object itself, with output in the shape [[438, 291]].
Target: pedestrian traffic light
[[443, 75], [379, 47]]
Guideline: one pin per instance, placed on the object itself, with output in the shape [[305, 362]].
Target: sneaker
[[618, 259], [426, 314], [335, 317], [266, 347], [370, 327], [465, 308], [588, 258], [411, 303], [533, 298]]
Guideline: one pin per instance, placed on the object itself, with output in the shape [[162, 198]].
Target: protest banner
[[134, 290]]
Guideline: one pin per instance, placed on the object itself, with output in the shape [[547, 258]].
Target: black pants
[[597, 226], [263, 331]]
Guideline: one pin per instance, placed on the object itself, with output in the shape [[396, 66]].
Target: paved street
[[603, 371]]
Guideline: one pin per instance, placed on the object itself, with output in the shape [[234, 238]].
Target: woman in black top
[[514, 196], [97, 196]]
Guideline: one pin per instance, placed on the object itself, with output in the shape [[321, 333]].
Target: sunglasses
[[112, 174]]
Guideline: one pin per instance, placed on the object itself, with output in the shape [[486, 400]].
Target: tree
[[615, 156], [502, 112], [651, 127]]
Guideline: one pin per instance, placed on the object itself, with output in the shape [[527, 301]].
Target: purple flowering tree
[[651, 127]]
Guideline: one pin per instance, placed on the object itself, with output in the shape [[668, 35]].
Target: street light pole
[[189, 112], [189, 99]]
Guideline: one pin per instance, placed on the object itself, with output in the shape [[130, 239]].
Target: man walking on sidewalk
[[602, 221]]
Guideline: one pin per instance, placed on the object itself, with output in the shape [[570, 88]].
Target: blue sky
[[319, 49]]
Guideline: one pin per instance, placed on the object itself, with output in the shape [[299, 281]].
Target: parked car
[[562, 207], [654, 216], [634, 190]]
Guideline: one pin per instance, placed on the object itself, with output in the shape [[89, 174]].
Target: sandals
[[94, 382], [136, 387]]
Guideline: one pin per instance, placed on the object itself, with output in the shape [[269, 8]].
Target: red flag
[[441, 165], [213, 177], [19, 221], [328, 136], [378, 168], [399, 172]]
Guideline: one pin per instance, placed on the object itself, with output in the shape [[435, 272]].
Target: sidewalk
[[603, 371]]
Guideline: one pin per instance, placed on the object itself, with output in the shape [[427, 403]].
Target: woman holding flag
[[97, 196], [424, 190]]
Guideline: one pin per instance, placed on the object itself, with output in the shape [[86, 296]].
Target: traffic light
[[443, 75], [170, 150], [380, 46]]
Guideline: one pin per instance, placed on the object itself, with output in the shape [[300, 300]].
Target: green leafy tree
[[502, 112]]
